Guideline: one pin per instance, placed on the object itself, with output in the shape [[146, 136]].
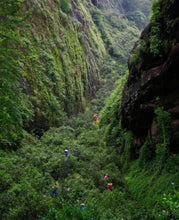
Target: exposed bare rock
[[154, 80]]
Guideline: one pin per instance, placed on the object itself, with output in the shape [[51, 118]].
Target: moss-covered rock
[[62, 72], [153, 79]]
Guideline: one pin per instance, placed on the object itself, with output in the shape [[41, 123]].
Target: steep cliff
[[55, 49], [153, 78], [64, 51]]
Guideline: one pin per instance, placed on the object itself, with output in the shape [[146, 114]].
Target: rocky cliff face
[[153, 79], [64, 52], [64, 49]]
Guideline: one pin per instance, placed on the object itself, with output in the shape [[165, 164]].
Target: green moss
[[65, 5], [155, 41], [16, 110], [59, 73], [133, 60]]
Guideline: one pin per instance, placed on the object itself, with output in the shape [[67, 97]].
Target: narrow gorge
[[89, 88]]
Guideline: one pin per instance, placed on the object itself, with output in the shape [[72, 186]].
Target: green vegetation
[[104, 148], [64, 4], [134, 60], [153, 177], [155, 41], [44, 160], [58, 73], [60, 62], [164, 119], [136, 56], [115, 30], [57, 59], [16, 110]]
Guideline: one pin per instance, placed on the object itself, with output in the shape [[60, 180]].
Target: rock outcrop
[[153, 78]]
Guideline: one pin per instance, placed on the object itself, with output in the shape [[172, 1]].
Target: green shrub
[[68, 212], [164, 120], [133, 60], [116, 22], [128, 137], [146, 154], [138, 17], [155, 41], [65, 6], [64, 18], [168, 206], [141, 49], [96, 16], [172, 163]]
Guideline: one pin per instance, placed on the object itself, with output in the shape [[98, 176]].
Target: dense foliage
[[51, 55], [24, 197], [16, 110], [57, 62], [144, 188], [52, 52]]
